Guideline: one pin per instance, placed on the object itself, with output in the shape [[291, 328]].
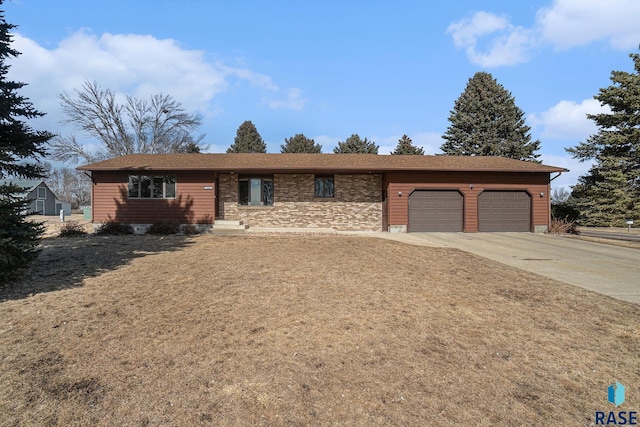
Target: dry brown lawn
[[303, 330]]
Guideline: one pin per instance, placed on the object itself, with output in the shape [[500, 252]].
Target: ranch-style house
[[364, 192]]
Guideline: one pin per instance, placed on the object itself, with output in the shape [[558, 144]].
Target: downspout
[[549, 193], [92, 185], [559, 173]]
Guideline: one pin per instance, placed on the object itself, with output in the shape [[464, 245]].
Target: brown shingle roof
[[316, 162]]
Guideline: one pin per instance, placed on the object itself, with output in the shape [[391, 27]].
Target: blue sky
[[329, 69]]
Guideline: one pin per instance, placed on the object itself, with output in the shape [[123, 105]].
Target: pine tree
[[405, 146], [300, 144], [610, 193], [604, 197], [20, 148], [355, 145], [247, 140], [486, 121]]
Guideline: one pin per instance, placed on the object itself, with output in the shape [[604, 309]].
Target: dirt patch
[[306, 330]]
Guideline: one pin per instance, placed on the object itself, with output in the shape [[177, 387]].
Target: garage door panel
[[435, 210], [504, 211]]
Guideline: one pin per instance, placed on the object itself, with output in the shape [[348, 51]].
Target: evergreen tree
[[355, 145], [191, 148], [300, 144], [604, 197], [247, 140], [486, 121], [405, 146], [610, 193], [20, 148]]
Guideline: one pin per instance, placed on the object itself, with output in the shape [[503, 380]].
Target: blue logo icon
[[615, 394]]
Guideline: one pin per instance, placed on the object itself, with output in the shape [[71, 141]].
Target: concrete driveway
[[607, 269]]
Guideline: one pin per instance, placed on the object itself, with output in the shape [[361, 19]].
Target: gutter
[[559, 173]]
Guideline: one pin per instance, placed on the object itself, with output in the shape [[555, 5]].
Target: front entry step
[[221, 226]]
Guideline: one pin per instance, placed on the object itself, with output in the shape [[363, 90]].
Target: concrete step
[[224, 222], [228, 227]]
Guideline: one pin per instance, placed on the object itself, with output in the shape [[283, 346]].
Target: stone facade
[[357, 204]]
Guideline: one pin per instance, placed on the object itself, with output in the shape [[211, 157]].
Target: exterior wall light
[[399, 193], [541, 194], [470, 186]]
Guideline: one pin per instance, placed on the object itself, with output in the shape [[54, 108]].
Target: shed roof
[[27, 184], [245, 162]]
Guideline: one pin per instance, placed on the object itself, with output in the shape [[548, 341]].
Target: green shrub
[[164, 228], [566, 210], [72, 229], [114, 228]]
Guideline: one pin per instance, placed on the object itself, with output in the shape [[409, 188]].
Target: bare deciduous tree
[[560, 195], [70, 185], [157, 125]]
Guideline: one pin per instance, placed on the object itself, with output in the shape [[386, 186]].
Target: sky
[[329, 69]]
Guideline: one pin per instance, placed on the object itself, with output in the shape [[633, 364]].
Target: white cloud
[[294, 100], [429, 141], [138, 65], [467, 31], [255, 79], [570, 23], [566, 179], [568, 120], [134, 64], [564, 24], [509, 45]]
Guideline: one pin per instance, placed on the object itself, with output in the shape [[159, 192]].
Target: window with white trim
[[42, 193], [152, 187]]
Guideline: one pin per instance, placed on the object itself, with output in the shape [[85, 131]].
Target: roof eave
[[317, 168]]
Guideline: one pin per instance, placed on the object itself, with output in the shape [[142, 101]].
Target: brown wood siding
[[406, 182], [192, 204]]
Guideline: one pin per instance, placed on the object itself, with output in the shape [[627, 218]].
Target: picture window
[[152, 187], [255, 191]]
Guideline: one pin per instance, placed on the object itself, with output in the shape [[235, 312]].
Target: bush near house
[[190, 230], [563, 226], [72, 229], [114, 228], [164, 228], [565, 210]]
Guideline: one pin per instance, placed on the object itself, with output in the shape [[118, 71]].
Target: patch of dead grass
[[613, 242], [227, 330]]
